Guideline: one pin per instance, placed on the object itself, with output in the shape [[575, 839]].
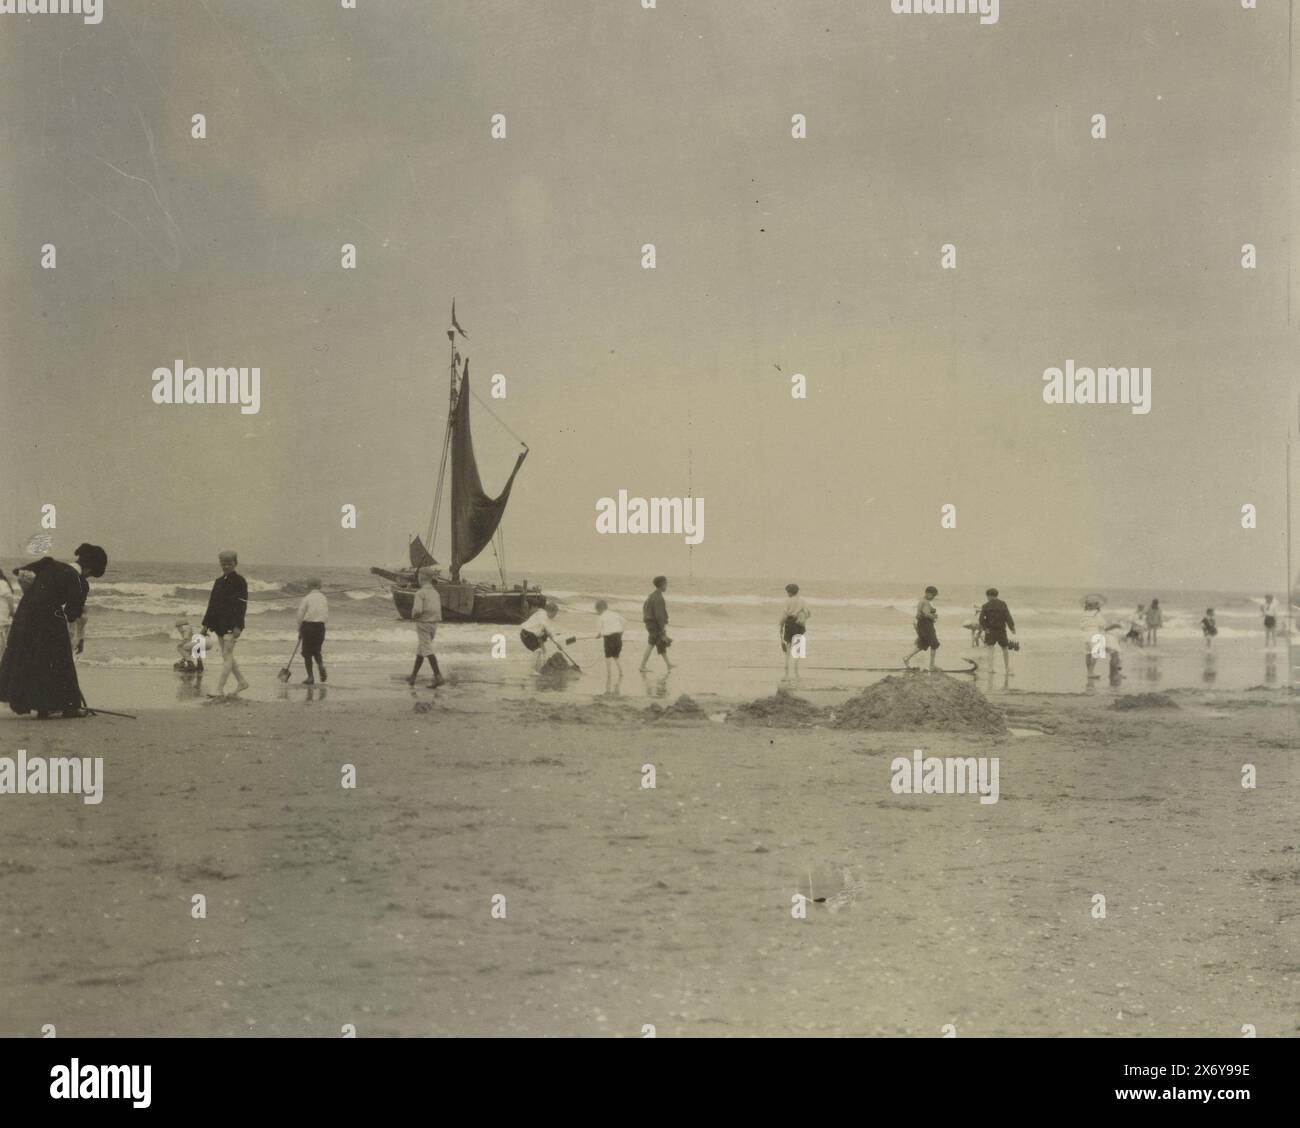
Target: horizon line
[[765, 580]]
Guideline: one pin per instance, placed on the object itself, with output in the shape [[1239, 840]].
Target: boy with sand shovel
[[539, 629]]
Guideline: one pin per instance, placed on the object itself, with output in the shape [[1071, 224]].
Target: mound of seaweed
[[683, 709], [782, 710], [920, 701], [556, 666], [1144, 701]]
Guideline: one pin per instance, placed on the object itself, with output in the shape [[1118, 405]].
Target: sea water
[[725, 636]]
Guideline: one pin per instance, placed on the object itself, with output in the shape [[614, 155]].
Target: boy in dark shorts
[[794, 619], [1209, 628], [313, 613], [995, 620], [609, 626], [539, 629], [1270, 610], [926, 636], [654, 613]]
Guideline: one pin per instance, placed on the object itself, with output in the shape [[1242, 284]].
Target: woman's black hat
[[93, 559]]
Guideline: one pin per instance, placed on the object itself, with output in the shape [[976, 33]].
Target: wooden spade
[[284, 675]]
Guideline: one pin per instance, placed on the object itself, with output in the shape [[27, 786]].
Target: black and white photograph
[[649, 519]]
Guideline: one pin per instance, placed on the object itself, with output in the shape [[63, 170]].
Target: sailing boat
[[475, 523]]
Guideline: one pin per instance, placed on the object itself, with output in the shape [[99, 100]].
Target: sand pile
[[556, 664], [920, 701], [782, 710], [1144, 701], [683, 709]]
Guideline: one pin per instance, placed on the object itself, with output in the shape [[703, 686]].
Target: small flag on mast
[[456, 324]]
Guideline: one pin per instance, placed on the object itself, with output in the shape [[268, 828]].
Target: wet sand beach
[[670, 906]]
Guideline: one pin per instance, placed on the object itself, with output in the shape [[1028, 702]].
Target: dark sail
[[421, 557], [474, 515]]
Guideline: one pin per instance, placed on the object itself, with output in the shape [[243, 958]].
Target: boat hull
[[462, 603]]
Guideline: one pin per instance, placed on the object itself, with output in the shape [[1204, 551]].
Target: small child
[[185, 648], [1100, 640], [1269, 611], [1209, 627], [794, 618], [1155, 620], [1137, 626], [926, 636], [609, 626]]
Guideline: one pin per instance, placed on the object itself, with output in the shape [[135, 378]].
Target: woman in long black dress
[[37, 670]]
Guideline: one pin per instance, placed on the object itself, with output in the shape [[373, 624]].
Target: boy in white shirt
[[609, 626], [538, 629], [426, 612], [926, 636], [1100, 639], [313, 611]]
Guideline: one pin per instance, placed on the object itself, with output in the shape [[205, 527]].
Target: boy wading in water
[[609, 626], [995, 620], [926, 636], [426, 611], [313, 611], [794, 617], [1155, 620], [225, 618], [654, 613], [1100, 639], [1269, 611]]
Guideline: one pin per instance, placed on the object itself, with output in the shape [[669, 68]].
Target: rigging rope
[[500, 556], [442, 461], [437, 496], [494, 415]]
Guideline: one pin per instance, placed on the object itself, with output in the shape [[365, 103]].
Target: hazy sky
[[775, 256]]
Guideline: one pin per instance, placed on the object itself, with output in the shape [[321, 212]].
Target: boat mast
[[456, 371], [453, 366]]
